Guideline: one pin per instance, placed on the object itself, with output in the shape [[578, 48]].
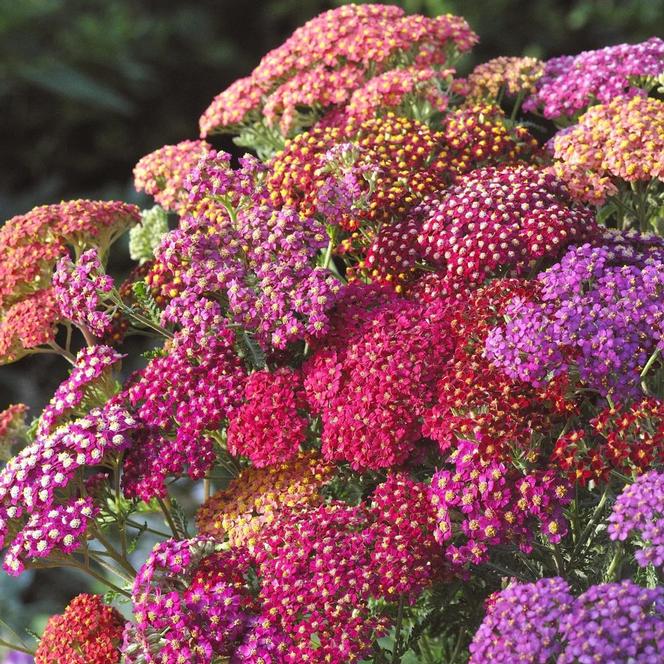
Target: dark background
[[87, 87]]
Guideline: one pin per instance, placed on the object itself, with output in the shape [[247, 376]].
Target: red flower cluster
[[267, 427], [372, 377], [88, 632], [476, 401], [628, 439]]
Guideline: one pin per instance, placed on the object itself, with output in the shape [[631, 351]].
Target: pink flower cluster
[[326, 59], [321, 566], [92, 363], [163, 173], [81, 290], [500, 219], [482, 503], [178, 399], [32, 481], [267, 427], [190, 604], [259, 258]]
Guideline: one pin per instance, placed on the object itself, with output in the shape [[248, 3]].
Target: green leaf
[[69, 82]]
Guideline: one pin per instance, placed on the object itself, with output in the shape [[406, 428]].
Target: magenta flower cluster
[[480, 504], [80, 290], [189, 604], [638, 513], [91, 364], [178, 399], [31, 482], [570, 83]]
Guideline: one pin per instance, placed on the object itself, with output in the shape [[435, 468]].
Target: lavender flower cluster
[[543, 622], [600, 311]]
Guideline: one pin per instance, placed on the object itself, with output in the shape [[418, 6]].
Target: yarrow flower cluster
[[91, 367], [637, 513], [618, 142], [599, 311], [512, 76], [88, 632], [475, 401], [81, 290], [372, 377], [190, 604], [320, 567], [178, 399], [229, 247], [398, 355], [31, 482], [542, 622], [626, 439], [267, 427], [163, 173], [257, 496], [324, 61], [522, 623], [570, 83], [496, 219], [483, 503], [32, 244]]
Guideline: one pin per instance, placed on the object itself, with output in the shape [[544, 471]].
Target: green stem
[[616, 561], [113, 553], [138, 526], [101, 578], [517, 105], [169, 518], [14, 646], [396, 655], [102, 563], [507, 572], [594, 519], [118, 506]]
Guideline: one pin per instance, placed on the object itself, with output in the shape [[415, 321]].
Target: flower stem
[[169, 518]]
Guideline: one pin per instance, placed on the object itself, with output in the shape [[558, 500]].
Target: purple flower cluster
[[80, 289], [177, 398], [570, 83], [259, 259], [600, 310], [522, 624], [91, 364], [639, 511], [32, 480], [262, 644], [614, 622], [189, 602], [343, 188], [543, 622]]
